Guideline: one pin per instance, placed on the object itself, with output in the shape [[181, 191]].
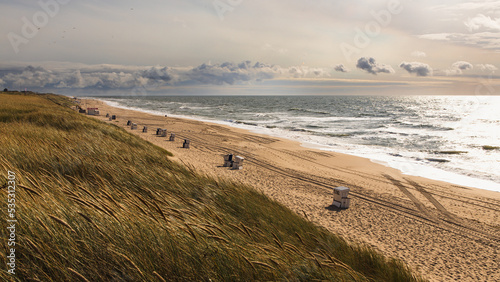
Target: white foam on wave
[[411, 167], [408, 165]]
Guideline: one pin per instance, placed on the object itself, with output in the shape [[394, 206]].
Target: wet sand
[[443, 231]]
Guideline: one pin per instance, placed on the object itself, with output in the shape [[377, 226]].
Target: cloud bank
[[117, 77], [103, 78]]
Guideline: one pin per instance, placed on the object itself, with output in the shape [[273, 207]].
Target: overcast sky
[[251, 47]]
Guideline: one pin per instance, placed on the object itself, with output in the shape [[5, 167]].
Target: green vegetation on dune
[[97, 203]]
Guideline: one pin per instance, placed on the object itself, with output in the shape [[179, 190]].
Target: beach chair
[[237, 162], [228, 160], [129, 122], [93, 111], [107, 115], [145, 129], [172, 137], [113, 117], [186, 144], [163, 133], [341, 197], [133, 126], [110, 118]]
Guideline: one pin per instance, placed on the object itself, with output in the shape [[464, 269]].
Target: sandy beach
[[442, 231]]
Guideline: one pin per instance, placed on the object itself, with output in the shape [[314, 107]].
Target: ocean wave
[[438, 160], [450, 152], [338, 134], [308, 111], [245, 122], [260, 115], [423, 126], [313, 126], [298, 129]]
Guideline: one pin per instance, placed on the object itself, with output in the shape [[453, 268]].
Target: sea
[[449, 138]]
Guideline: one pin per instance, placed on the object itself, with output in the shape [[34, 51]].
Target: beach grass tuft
[[100, 204]]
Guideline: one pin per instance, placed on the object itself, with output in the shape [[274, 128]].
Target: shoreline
[[442, 231], [417, 170]]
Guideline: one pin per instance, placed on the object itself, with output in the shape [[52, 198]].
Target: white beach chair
[[237, 162], [341, 197]]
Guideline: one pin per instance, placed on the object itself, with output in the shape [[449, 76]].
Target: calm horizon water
[[449, 138]]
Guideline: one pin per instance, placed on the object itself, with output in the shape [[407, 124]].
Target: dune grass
[[95, 203]]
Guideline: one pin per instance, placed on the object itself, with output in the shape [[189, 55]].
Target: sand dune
[[443, 231]]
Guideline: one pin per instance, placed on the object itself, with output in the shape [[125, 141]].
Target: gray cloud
[[369, 65], [156, 73], [462, 65], [458, 68], [304, 71], [230, 73], [341, 68], [420, 69]]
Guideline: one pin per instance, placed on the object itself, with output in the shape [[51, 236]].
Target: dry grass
[[99, 204]]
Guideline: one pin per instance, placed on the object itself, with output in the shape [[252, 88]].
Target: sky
[[280, 47]]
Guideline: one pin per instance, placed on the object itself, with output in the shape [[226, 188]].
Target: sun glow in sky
[[251, 47]]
